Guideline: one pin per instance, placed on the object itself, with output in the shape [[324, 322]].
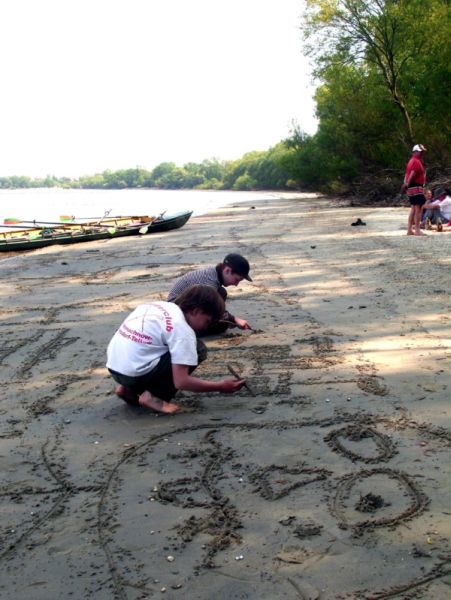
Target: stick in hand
[[235, 374]]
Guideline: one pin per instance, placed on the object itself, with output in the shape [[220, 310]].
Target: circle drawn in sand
[[353, 488], [364, 436]]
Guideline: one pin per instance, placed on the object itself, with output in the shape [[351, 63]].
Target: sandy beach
[[330, 481]]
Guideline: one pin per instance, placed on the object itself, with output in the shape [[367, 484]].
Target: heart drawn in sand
[[277, 481]]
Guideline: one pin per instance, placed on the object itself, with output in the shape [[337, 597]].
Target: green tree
[[388, 35], [382, 68], [244, 183], [193, 176], [213, 169], [161, 173]]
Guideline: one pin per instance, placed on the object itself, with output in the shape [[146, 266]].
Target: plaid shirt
[[210, 276]]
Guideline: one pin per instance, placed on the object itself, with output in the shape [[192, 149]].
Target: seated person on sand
[[233, 269], [155, 350], [438, 210], [428, 198]]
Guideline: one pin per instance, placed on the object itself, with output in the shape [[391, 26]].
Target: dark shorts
[[417, 200], [159, 381]]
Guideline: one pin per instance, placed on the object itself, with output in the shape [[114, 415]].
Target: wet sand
[[332, 482]]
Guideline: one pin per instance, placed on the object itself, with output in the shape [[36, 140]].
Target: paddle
[[143, 230], [12, 220], [23, 227], [43, 224], [107, 212], [67, 218], [73, 217], [33, 235]]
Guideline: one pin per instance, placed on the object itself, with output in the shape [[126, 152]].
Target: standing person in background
[[231, 271], [413, 185]]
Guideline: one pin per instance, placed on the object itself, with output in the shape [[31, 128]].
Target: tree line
[[254, 171], [382, 69]]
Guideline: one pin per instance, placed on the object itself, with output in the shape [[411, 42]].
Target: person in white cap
[[413, 185]]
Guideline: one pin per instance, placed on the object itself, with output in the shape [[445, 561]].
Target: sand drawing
[[325, 479], [213, 530]]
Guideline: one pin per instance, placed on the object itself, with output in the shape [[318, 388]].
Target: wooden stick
[[235, 374], [51, 225], [23, 227]]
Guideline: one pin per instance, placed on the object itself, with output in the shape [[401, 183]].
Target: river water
[[50, 203]]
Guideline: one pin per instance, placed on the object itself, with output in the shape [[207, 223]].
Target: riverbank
[[314, 488]]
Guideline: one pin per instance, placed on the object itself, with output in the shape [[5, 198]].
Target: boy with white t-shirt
[[155, 350]]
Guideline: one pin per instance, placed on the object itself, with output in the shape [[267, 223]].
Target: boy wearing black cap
[[231, 271]]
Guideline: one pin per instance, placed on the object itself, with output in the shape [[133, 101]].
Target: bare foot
[[410, 233], [161, 406], [127, 394], [420, 233]]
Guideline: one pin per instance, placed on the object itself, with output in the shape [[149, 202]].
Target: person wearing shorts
[[413, 185], [155, 351]]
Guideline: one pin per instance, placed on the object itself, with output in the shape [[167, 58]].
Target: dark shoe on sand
[[358, 222]]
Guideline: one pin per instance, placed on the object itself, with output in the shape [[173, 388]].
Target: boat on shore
[[40, 235], [167, 223]]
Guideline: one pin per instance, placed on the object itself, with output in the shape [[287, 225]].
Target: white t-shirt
[[445, 207], [147, 333]]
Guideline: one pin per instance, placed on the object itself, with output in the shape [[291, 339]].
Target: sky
[[90, 85]]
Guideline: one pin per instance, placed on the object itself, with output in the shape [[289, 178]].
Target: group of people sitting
[[436, 210], [156, 349]]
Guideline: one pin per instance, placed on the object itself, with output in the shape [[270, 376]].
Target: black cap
[[238, 264], [439, 192]]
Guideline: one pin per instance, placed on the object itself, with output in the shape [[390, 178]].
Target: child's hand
[[242, 324], [229, 386]]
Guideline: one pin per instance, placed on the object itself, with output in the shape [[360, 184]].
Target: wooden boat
[[166, 223], [39, 236], [71, 232]]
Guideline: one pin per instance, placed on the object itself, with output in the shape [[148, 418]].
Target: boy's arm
[[184, 381], [434, 204]]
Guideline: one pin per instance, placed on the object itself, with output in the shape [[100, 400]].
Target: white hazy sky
[[89, 85]]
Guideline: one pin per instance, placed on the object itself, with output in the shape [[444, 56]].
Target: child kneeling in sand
[[155, 350], [231, 271]]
